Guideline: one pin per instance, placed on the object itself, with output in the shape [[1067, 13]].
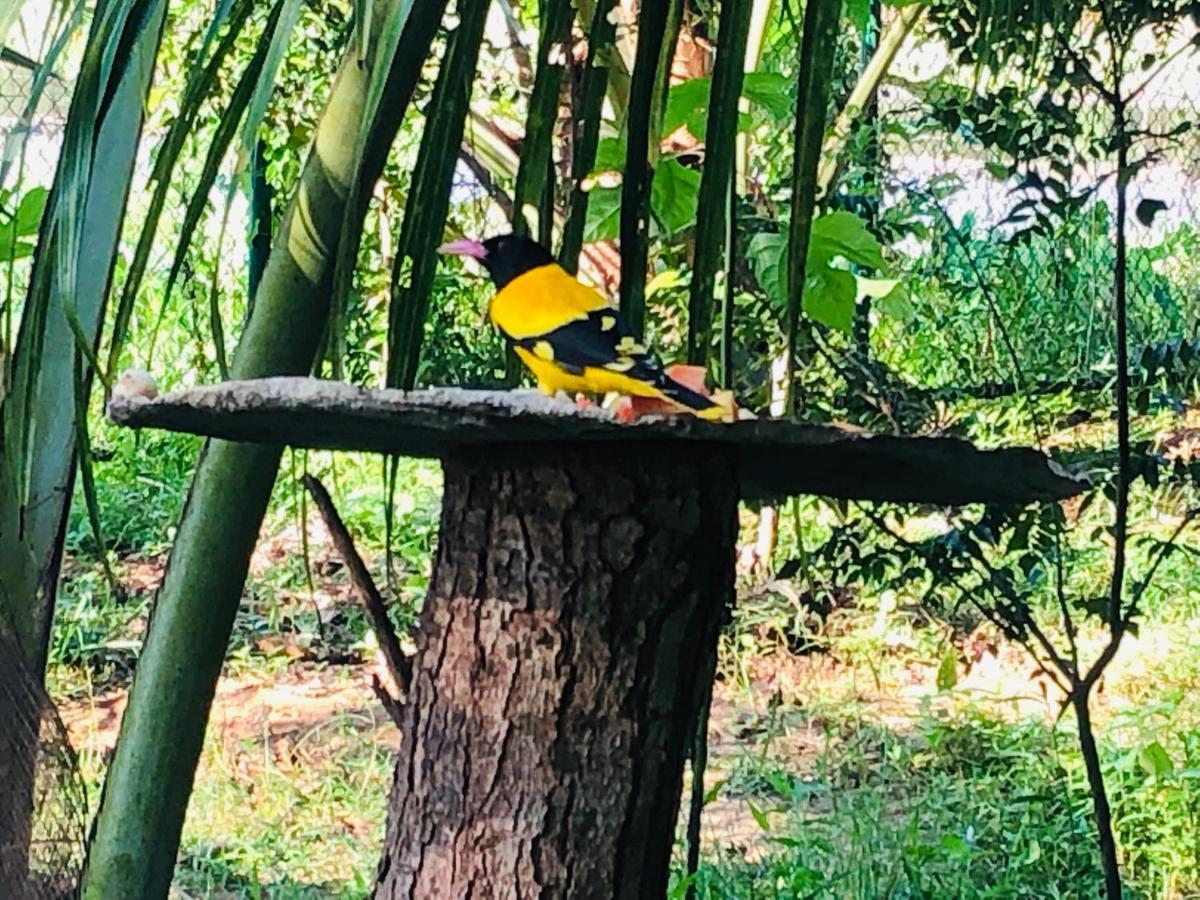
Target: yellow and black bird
[[568, 334]]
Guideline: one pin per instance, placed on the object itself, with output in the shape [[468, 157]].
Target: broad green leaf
[[29, 213], [768, 257], [858, 12], [687, 104], [610, 155], [12, 249], [877, 288], [1155, 760], [663, 281], [955, 845], [673, 195], [771, 91], [896, 303], [829, 297], [603, 215], [711, 794], [830, 292], [890, 296], [844, 234]]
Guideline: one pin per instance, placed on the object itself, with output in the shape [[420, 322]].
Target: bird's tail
[[703, 406]]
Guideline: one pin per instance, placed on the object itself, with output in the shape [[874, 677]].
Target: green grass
[[312, 829]]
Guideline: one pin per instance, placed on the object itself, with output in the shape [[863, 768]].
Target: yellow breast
[[541, 300]]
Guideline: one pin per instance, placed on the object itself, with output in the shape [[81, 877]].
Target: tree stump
[[565, 650]]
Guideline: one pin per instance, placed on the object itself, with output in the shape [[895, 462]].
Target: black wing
[[602, 340]]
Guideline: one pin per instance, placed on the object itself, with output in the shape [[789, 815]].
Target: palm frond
[[200, 84]]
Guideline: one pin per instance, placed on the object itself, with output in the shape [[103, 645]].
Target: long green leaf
[[259, 233], [639, 172], [533, 181], [280, 36], [429, 197], [401, 31], [64, 310], [713, 208], [587, 121], [214, 287], [200, 84], [222, 138], [817, 49]]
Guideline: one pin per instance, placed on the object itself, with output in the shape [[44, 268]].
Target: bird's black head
[[505, 256]]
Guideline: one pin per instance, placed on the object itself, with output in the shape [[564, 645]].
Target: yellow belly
[[551, 379]]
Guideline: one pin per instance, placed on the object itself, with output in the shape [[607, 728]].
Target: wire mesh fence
[[43, 803], [980, 268]]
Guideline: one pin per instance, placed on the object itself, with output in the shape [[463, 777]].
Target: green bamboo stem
[[150, 778], [534, 177], [429, 199], [638, 176], [601, 36], [713, 208], [817, 49]]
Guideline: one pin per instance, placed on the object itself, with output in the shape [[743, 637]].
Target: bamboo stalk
[[817, 49], [713, 210], [429, 199], [586, 121], [639, 172], [146, 792]]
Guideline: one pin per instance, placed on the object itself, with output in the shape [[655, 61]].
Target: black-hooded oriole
[[568, 334]]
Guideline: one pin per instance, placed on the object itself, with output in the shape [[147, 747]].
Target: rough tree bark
[[563, 656]]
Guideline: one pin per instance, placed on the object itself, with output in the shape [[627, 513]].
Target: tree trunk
[[563, 657]]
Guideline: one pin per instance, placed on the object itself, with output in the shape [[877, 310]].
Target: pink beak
[[465, 247]]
